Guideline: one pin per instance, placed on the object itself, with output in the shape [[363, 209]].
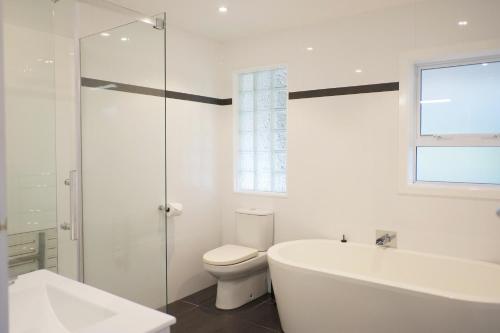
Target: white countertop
[[44, 302]]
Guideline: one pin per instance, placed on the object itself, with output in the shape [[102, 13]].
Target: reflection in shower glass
[[30, 135]]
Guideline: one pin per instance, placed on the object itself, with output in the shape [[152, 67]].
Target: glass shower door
[[30, 140], [123, 161]]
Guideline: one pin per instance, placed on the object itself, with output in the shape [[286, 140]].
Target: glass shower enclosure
[[30, 107], [123, 161], [85, 141]]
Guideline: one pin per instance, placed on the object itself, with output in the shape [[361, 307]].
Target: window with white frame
[[262, 131], [458, 125]]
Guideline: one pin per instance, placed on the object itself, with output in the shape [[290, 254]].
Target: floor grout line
[[263, 326], [195, 306], [189, 302]]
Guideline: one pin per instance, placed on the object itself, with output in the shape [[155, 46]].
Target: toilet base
[[232, 294]]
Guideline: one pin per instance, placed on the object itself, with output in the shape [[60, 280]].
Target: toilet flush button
[[498, 212]]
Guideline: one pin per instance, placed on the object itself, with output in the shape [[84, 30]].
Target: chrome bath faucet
[[385, 238]]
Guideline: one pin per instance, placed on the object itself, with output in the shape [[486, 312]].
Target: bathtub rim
[[273, 255]]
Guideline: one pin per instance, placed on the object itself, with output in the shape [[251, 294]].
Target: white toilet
[[241, 269]]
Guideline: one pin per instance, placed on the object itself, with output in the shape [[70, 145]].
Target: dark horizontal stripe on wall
[[197, 98], [116, 86], [352, 90], [226, 101]]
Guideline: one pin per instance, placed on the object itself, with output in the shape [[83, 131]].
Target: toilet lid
[[229, 255]]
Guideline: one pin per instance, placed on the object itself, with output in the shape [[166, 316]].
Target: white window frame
[[236, 134], [409, 120]]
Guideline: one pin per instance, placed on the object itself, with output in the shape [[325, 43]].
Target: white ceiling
[[247, 18]]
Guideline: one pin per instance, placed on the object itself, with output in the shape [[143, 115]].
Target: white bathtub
[[334, 287]]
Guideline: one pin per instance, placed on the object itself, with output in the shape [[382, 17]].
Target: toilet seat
[[239, 270], [229, 255]]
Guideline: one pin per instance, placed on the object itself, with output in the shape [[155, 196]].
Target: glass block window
[[262, 132], [458, 134]]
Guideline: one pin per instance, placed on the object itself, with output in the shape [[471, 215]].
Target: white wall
[[343, 151], [193, 180], [193, 170]]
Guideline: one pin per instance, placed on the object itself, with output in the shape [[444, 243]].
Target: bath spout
[[385, 239]]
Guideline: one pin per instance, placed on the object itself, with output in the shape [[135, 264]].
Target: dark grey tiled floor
[[197, 313]]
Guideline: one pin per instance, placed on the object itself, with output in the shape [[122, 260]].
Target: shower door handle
[[172, 209], [163, 209], [72, 182]]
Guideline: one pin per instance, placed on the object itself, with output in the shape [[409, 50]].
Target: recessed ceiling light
[[105, 34], [309, 48], [462, 23], [124, 39], [485, 64], [358, 71], [222, 9], [49, 61]]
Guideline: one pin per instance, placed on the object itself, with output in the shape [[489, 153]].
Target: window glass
[[461, 99], [262, 131], [480, 165]]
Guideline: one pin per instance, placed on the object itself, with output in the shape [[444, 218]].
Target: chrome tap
[[384, 239]]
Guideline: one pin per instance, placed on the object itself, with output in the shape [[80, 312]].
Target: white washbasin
[[44, 302]]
